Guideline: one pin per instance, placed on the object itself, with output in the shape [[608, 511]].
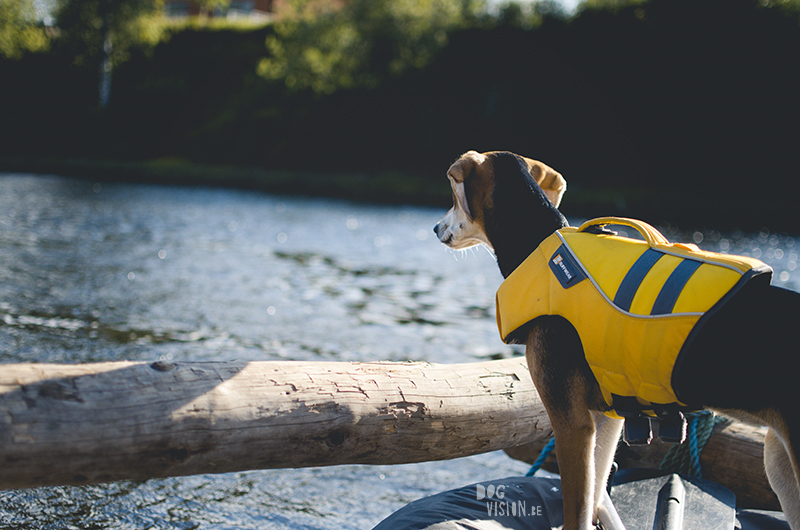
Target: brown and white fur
[[509, 203]]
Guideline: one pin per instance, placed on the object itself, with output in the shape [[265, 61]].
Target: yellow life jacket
[[633, 303]]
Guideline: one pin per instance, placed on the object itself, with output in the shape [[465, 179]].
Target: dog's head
[[477, 190]]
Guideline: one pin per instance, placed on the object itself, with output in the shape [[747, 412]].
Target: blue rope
[[694, 450], [546, 450], [685, 458]]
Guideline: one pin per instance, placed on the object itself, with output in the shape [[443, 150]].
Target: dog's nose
[[436, 229]]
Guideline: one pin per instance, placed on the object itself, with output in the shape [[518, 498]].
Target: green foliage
[[211, 5], [19, 30], [790, 6], [609, 5], [615, 6], [527, 15], [323, 46], [89, 25], [640, 101]]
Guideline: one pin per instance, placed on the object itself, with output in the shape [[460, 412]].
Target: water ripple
[[101, 273]]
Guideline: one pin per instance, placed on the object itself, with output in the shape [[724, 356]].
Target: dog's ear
[[552, 183], [458, 173]]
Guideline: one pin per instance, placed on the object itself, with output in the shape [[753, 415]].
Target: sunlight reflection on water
[[107, 272]]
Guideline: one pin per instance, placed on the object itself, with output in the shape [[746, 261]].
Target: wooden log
[[732, 457], [80, 424]]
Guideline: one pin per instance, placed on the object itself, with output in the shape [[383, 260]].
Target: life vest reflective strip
[[633, 303]]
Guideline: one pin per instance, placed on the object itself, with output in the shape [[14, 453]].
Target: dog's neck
[[522, 216], [513, 250]]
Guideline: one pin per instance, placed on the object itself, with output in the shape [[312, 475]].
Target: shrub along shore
[[383, 188], [674, 111]]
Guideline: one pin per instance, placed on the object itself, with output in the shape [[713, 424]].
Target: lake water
[[95, 272]]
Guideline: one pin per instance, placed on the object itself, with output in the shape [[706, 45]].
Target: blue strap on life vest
[[673, 287], [634, 277]]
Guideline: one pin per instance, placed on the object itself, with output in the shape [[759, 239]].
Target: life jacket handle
[[651, 235]]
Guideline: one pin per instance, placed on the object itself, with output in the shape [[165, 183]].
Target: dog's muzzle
[[436, 230]]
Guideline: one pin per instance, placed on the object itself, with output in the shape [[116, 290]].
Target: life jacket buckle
[[638, 430], [671, 423], [640, 420]]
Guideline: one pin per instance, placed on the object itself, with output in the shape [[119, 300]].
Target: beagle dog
[[739, 363]]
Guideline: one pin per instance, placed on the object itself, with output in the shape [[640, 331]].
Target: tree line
[[646, 107]]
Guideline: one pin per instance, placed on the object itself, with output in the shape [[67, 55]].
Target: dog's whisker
[[453, 252], [490, 250]]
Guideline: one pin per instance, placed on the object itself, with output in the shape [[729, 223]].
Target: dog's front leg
[[607, 438], [780, 467], [555, 359], [575, 438], [606, 441]]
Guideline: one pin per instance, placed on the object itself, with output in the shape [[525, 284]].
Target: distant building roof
[[237, 9]]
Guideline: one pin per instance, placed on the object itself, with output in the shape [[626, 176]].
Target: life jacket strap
[[640, 420]]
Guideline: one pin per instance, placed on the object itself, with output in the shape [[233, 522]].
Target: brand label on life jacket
[[566, 268]]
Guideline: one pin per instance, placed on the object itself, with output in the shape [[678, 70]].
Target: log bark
[[732, 457], [80, 424]]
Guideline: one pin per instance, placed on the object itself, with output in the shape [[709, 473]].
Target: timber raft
[[104, 422]]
